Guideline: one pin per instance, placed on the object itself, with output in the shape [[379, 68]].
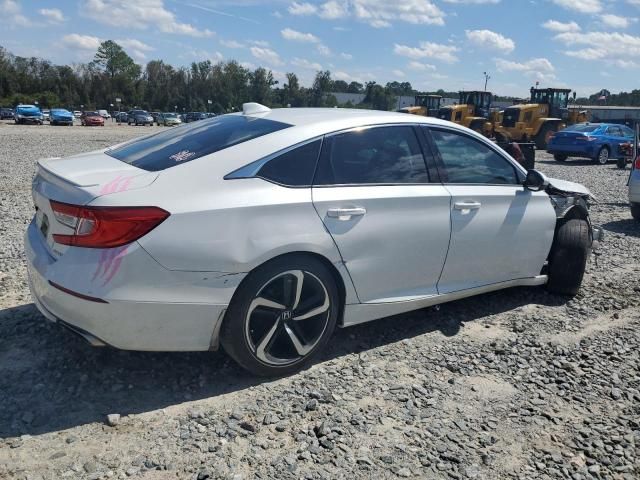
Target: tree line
[[202, 86]]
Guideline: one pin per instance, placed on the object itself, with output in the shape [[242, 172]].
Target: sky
[[585, 45]]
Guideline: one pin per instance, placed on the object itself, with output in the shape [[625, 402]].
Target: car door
[[500, 231], [390, 224]]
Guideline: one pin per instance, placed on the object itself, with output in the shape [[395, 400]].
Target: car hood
[[570, 187]]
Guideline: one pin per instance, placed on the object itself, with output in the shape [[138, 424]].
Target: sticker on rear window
[[182, 156]]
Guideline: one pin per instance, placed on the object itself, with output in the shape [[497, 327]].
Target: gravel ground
[[514, 384]]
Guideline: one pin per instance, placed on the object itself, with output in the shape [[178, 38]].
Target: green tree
[[114, 61]]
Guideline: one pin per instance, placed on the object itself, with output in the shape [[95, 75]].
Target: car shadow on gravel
[[627, 226], [51, 380]]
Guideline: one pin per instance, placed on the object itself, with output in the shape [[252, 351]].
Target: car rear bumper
[[634, 186], [572, 151], [154, 317]]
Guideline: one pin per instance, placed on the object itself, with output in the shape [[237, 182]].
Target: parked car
[[139, 117], [168, 119], [89, 119], [597, 141], [155, 116], [121, 117], [45, 115], [312, 217], [60, 116], [194, 117], [28, 114], [77, 113], [6, 113], [104, 114]]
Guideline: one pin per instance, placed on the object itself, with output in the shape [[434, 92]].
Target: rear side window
[[294, 168], [583, 128], [381, 155], [189, 142]]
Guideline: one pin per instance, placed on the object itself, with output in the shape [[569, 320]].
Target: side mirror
[[535, 181]]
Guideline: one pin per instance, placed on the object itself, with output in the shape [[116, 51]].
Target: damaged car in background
[[262, 231]]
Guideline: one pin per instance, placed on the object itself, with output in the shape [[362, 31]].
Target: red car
[[88, 119]]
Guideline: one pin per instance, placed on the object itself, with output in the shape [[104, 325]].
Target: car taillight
[[586, 138], [105, 227], [636, 164]]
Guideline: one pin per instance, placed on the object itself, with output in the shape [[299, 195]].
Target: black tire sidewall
[[232, 333], [568, 257]]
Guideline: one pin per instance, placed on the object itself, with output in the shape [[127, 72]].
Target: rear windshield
[[583, 128], [194, 140]]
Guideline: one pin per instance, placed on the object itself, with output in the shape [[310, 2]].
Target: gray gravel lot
[[514, 384]]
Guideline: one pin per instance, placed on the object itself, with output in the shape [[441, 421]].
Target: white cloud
[[473, 2], [296, 36], [398, 73], [346, 56], [323, 50], [437, 51], [614, 48], [81, 42], [377, 13], [537, 68], [490, 40], [260, 43], [231, 44], [302, 8], [135, 48], [248, 65], [12, 12], [266, 55], [556, 26], [304, 63], [141, 14], [615, 21], [54, 15], [580, 6], [420, 67]]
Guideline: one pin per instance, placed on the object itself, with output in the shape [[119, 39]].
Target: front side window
[[627, 132], [614, 131], [468, 161], [382, 155], [294, 168], [189, 142]]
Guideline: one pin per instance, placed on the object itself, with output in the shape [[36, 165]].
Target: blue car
[[597, 141], [60, 116], [28, 114]]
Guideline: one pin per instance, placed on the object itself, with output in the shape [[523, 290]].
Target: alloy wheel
[[287, 318], [603, 156]]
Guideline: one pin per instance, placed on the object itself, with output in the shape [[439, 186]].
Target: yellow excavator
[[425, 105], [472, 111], [537, 121]]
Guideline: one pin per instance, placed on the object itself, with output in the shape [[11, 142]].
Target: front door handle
[[346, 213], [467, 205]]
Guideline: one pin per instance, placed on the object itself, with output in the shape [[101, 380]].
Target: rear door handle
[[346, 213], [467, 205]]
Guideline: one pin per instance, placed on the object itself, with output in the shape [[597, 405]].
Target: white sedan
[[261, 231]]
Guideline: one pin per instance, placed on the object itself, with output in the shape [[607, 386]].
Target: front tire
[[281, 316], [559, 157], [544, 135], [602, 157], [568, 258], [635, 211]]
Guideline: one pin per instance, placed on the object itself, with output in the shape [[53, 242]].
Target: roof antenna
[[253, 108]]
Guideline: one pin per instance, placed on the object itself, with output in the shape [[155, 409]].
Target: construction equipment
[[472, 111], [537, 121], [425, 105]]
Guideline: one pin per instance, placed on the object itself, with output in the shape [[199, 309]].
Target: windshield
[[170, 115], [583, 128], [188, 142]]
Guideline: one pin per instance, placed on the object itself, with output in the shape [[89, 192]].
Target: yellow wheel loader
[[472, 111], [425, 105], [537, 121]]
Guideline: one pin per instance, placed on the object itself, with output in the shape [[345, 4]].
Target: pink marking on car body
[[109, 187], [124, 186], [118, 184], [109, 263]]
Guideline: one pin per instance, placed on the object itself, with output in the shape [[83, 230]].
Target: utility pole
[[487, 77]]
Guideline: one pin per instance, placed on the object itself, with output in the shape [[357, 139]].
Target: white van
[[104, 114]]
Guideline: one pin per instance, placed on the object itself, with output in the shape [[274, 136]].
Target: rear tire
[[559, 157], [568, 258], [635, 211], [262, 338], [602, 157]]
